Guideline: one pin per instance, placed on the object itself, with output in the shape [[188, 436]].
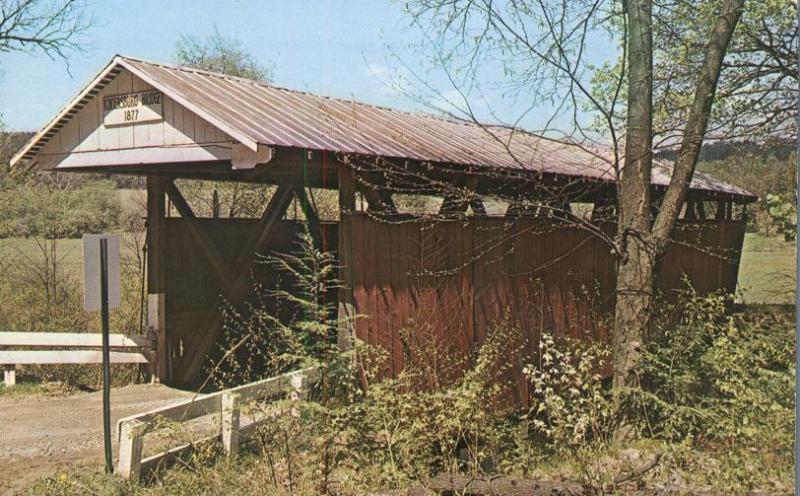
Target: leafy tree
[[784, 214], [10, 143], [48, 214], [685, 71]]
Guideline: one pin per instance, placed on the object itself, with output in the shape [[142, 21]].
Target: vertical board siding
[[450, 283], [460, 279]]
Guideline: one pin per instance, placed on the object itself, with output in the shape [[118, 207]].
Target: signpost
[[101, 292]]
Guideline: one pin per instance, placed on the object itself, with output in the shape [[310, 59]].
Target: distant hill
[[721, 151]]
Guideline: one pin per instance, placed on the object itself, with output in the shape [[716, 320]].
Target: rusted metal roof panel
[[258, 113]]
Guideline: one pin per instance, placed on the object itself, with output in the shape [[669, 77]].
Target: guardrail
[[131, 430], [9, 359]]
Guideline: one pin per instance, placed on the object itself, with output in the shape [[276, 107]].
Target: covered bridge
[[530, 256]]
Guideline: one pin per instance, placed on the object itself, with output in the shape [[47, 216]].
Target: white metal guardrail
[[227, 404], [53, 352]]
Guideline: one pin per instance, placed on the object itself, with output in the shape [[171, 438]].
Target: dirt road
[[40, 434]]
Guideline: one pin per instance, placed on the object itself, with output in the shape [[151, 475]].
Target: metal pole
[[106, 354]]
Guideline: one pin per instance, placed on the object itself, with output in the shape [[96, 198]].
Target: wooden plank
[[9, 375], [345, 294], [131, 434], [212, 403], [76, 339], [51, 357], [131, 430], [229, 422], [185, 410], [378, 198], [156, 275], [156, 211], [268, 387], [384, 296]]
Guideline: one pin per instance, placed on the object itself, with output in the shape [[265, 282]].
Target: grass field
[[766, 273]]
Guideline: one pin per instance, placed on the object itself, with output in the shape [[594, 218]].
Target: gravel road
[[40, 434]]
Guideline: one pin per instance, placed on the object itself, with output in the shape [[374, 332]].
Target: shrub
[[459, 426], [713, 376], [31, 209], [570, 403], [260, 341]]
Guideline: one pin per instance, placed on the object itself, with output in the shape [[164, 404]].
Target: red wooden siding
[[458, 279]]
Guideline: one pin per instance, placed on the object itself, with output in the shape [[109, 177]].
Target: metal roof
[[258, 113]]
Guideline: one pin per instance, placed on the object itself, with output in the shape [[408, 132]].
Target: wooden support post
[[130, 449], [691, 210], [277, 206], [457, 203], [347, 206], [475, 202], [478, 208], [721, 210], [156, 275], [10, 375], [604, 210], [454, 205], [378, 199], [230, 423]]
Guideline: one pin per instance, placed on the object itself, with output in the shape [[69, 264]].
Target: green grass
[[27, 388], [69, 251], [767, 271], [27, 251]]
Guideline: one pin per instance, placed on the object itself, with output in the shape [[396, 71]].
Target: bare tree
[[661, 91], [226, 55], [52, 26], [220, 53]]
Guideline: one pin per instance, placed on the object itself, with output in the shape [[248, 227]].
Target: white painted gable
[[85, 137]]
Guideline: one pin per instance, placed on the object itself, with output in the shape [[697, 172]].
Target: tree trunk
[[697, 122], [636, 265], [640, 245]]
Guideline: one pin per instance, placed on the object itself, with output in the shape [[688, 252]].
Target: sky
[[337, 48]]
